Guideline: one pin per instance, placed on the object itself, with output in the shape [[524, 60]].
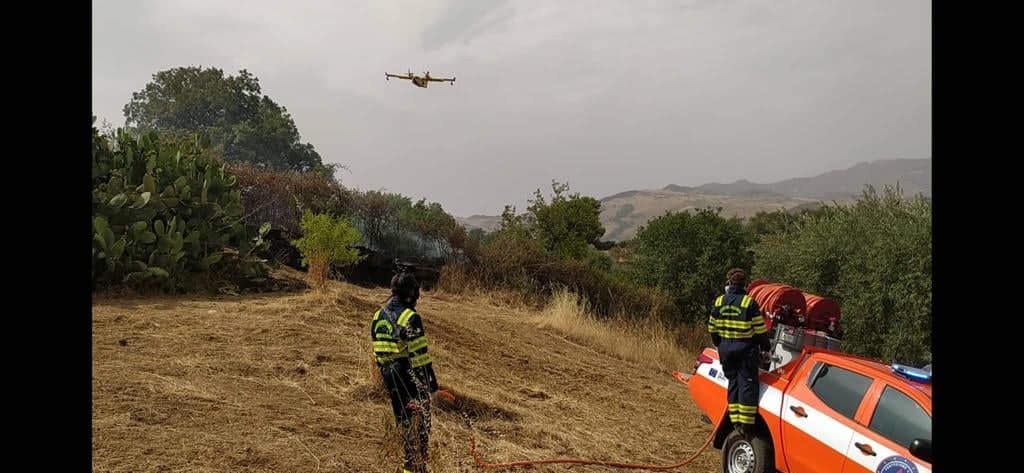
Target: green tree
[[566, 225], [687, 255], [764, 223], [874, 258], [246, 125], [325, 241]]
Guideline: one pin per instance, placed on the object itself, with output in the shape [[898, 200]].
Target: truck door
[[817, 417], [884, 446]]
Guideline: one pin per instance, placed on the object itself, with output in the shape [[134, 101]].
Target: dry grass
[[692, 340], [458, 279], [283, 383], [648, 341]]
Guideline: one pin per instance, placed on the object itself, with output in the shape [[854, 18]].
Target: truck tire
[[740, 455]]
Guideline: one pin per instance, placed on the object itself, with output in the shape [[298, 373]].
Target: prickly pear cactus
[[166, 213]]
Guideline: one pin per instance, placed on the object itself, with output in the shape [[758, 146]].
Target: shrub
[[874, 258], [325, 241], [687, 255]]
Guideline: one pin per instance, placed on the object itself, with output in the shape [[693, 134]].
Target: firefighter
[[739, 333], [400, 350]]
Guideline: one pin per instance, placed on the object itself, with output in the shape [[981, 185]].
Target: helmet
[[404, 285]]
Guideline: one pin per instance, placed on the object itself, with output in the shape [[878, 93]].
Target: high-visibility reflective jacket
[[398, 337], [736, 316]]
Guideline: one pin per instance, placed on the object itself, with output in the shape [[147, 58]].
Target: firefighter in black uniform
[[400, 349], [739, 333]]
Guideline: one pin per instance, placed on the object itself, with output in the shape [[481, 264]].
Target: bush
[[687, 255], [326, 240], [513, 260], [395, 225], [279, 198], [550, 248], [874, 258], [566, 225], [165, 212]]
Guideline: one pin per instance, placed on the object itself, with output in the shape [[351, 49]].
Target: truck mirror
[[922, 448]]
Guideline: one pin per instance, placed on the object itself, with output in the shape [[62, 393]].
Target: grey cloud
[[461, 20], [607, 95]]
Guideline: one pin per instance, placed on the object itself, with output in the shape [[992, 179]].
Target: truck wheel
[[740, 455]]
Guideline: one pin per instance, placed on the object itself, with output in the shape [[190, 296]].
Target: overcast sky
[[607, 95]]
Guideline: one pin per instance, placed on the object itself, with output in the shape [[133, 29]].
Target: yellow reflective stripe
[[420, 360], [418, 343], [730, 311], [403, 319], [747, 409], [718, 302], [389, 358], [735, 334], [373, 323], [737, 324], [745, 302], [386, 347], [742, 419], [759, 326]]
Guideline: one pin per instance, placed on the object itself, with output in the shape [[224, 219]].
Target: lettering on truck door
[[892, 421], [818, 416]]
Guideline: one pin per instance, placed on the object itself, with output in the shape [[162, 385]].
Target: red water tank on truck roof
[[771, 297], [822, 312]]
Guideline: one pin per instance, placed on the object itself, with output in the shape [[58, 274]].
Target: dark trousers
[[412, 413], [740, 360]]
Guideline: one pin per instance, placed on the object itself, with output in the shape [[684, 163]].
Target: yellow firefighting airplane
[[418, 81]]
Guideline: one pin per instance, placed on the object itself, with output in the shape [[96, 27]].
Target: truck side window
[[840, 389], [900, 419]]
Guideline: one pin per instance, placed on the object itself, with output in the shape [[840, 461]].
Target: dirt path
[[281, 383]]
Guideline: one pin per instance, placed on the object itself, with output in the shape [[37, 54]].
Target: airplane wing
[[441, 79], [397, 76]]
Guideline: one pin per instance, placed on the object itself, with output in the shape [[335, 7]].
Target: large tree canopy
[[231, 110]]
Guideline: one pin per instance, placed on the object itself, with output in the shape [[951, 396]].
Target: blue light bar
[[911, 373]]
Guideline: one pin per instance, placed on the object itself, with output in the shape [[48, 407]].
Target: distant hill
[[488, 223], [913, 175], [624, 212], [621, 216]]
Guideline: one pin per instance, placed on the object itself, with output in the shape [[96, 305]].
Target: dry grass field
[[282, 382]]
